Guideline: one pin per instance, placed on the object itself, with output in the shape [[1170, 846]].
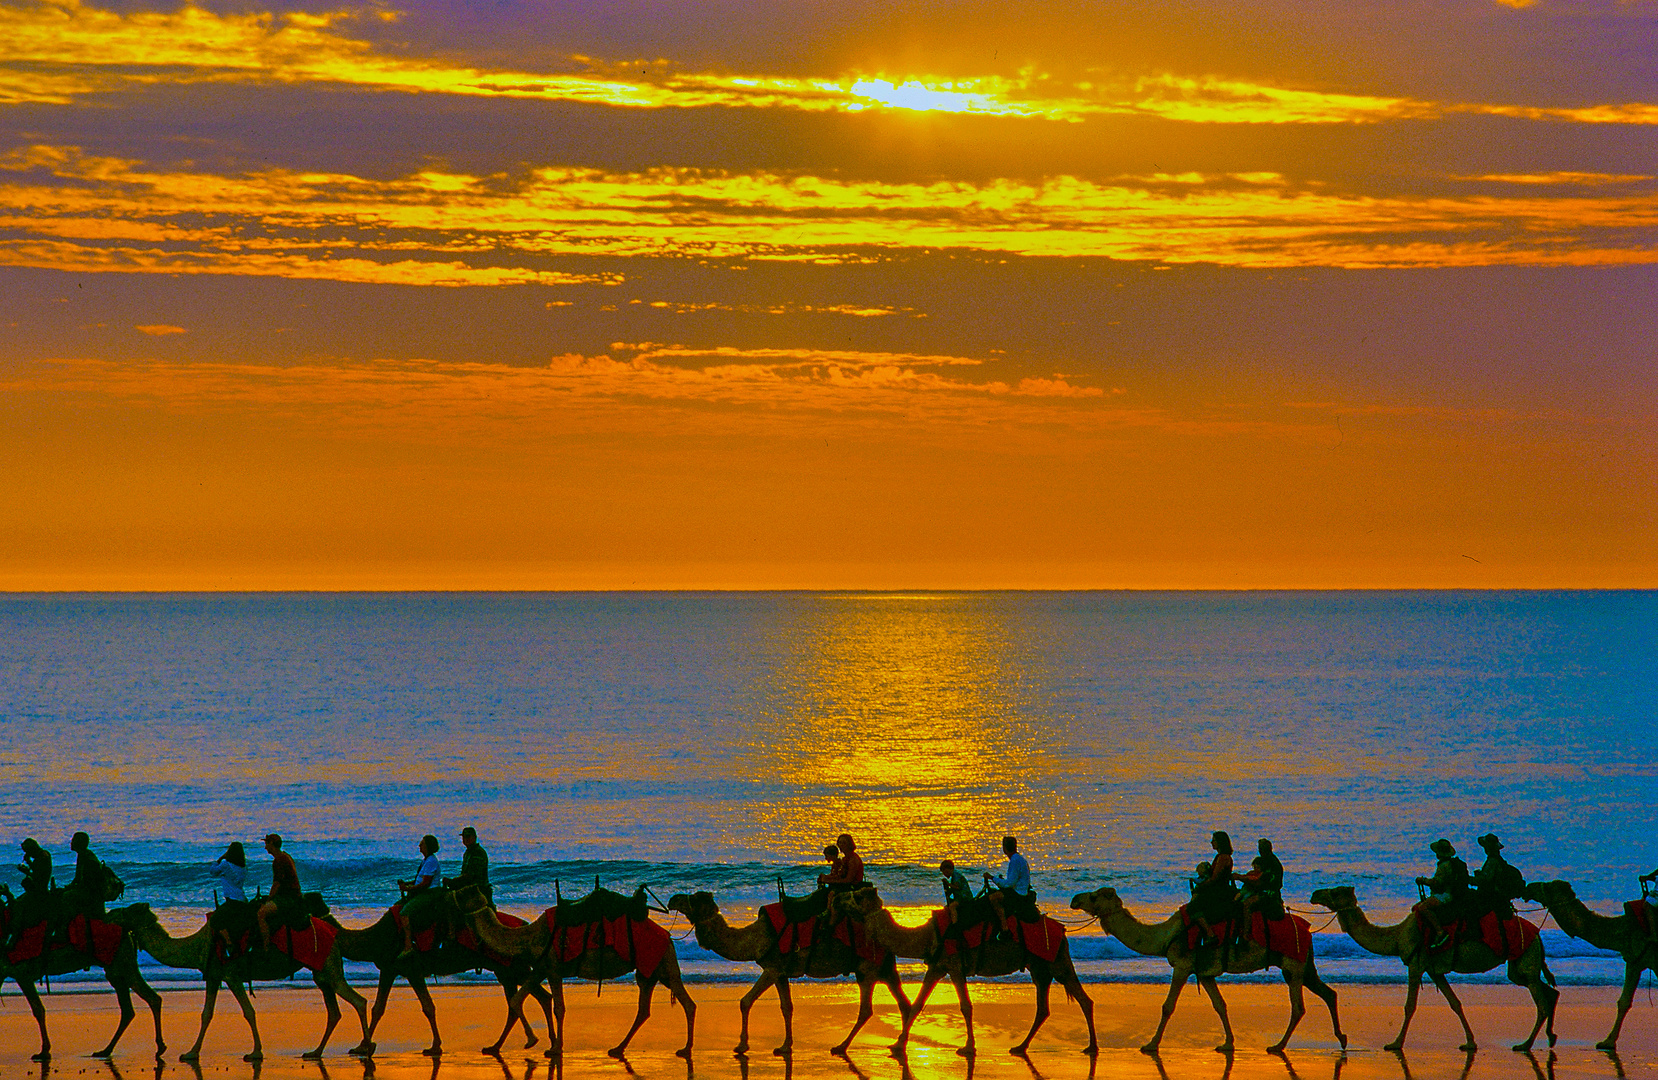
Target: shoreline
[[291, 1018]]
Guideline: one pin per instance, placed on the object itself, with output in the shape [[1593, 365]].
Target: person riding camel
[[849, 871], [34, 906], [956, 886], [1498, 881], [1212, 898], [419, 894], [85, 894], [231, 870], [284, 887], [1447, 893], [1262, 889], [1651, 898], [474, 866], [832, 856], [1014, 896]]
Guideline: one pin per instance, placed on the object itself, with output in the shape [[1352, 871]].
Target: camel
[[1404, 940], [122, 973], [196, 953], [382, 942], [757, 942], [1619, 933], [995, 958], [534, 942], [1168, 940]]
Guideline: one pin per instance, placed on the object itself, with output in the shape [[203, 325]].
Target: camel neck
[[718, 936], [1603, 932], [910, 942], [1147, 939], [184, 952], [1381, 940]]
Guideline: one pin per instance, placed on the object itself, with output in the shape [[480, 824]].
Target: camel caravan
[[1235, 923]]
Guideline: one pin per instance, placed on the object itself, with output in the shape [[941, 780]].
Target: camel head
[[469, 899], [1340, 898], [1101, 902], [859, 903], [133, 918], [1550, 893], [699, 907]]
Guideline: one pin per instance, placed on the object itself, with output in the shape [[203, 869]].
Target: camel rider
[[85, 894], [1447, 893], [1262, 889], [1651, 898], [1212, 898], [34, 905], [1498, 881], [850, 870], [1017, 899], [956, 887], [231, 869], [285, 891], [474, 866], [418, 908], [832, 856]]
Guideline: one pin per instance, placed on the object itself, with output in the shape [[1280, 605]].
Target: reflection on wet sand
[[905, 720]]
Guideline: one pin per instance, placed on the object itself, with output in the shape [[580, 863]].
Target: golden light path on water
[[906, 719]]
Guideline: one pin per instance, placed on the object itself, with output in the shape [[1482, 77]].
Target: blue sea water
[[718, 740]]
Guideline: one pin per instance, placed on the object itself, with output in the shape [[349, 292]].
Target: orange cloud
[[290, 224], [159, 329], [57, 52]]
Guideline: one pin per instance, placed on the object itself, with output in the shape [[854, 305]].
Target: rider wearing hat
[[1497, 881], [1447, 889], [474, 866]]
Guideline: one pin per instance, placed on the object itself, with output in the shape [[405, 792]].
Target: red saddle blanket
[[309, 948], [1639, 912], [1508, 938], [466, 939], [795, 936], [1289, 937], [640, 941], [1042, 939], [93, 938]]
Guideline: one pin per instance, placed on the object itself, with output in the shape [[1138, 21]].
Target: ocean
[[719, 740]]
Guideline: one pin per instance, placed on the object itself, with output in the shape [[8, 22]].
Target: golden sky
[[828, 295]]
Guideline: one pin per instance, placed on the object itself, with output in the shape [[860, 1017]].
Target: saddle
[[799, 909], [602, 905]]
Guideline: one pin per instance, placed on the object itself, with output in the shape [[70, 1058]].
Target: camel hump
[[798, 909], [603, 904]]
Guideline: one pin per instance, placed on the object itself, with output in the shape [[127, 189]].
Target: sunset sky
[[829, 295]]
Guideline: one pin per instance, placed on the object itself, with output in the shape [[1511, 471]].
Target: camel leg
[[555, 1040], [646, 986], [132, 980], [1631, 980], [238, 990], [32, 996], [931, 979], [785, 1005], [1073, 986], [895, 986], [429, 1008], [331, 1001], [515, 1005], [1212, 988], [123, 996], [761, 985], [676, 987], [543, 998], [153, 1000], [866, 1009], [1412, 991], [358, 1003], [958, 976], [1327, 994], [1456, 1007], [1298, 1009], [1177, 983], [382, 994], [1044, 985], [1545, 998]]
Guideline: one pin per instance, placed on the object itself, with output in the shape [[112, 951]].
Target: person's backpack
[[114, 887]]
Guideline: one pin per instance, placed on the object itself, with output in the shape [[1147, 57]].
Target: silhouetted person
[[231, 869], [474, 866], [832, 856], [85, 894], [1651, 898], [850, 872], [956, 887], [1263, 887], [415, 912], [1016, 897], [33, 906], [1447, 891], [1212, 898], [284, 887], [1497, 882]]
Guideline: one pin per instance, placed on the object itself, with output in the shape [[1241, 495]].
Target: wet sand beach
[[469, 1017]]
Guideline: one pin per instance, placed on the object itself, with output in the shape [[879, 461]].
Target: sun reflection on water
[[904, 719]]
